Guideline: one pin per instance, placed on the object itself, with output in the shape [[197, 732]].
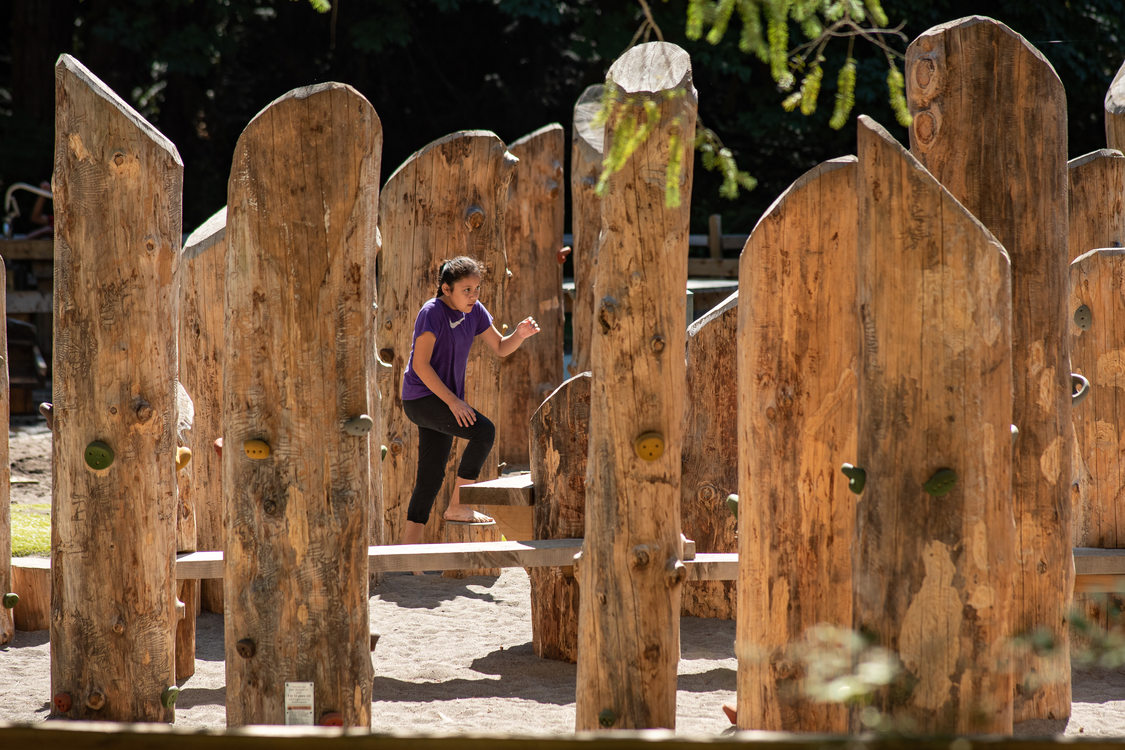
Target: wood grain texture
[[470, 533], [533, 227], [185, 629], [710, 461], [560, 434], [1095, 202], [448, 199], [1115, 111], [933, 573], [587, 149], [300, 238], [117, 199], [202, 289], [7, 618], [1013, 178], [510, 489], [31, 580], [631, 571], [797, 359]]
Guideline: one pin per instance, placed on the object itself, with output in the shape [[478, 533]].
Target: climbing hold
[[219, 446], [675, 572], [560, 256], [168, 696], [503, 328], [941, 482], [732, 504], [246, 648], [331, 719], [656, 344], [95, 701], [11, 600], [359, 426], [649, 446], [640, 555], [98, 455], [1083, 317], [1080, 388], [62, 702], [474, 217], [382, 452], [1015, 434], [857, 477], [183, 457], [256, 449], [374, 640], [607, 718]]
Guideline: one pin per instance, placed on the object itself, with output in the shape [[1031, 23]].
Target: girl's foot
[[461, 514]]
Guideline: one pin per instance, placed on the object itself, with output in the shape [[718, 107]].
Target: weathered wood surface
[[560, 433], [202, 285], [7, 618], [31, 580], [300, 238], [1095, 202], [798, 354], [1115, 111], [510, 489], [117, 200], [710, 459], [448, 199], [513, 522], [934, 568], [631, 572], [1012, 177], [457, 532], [587, 149], [185, 629], [533, 236]]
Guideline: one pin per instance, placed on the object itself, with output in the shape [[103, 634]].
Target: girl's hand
[[527, 328], [463, 413]]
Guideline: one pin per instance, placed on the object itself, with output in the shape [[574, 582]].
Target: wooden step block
[[31, 580], [460, 531], [510, 489], [513, 523]]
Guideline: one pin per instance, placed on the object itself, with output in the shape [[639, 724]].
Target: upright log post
[[587, 149], [1095, 202], [533, 236], [298, 346], [1115, 111], [798, 346], [710, 462], [631, 570], [935, 552], [560, 433], [1013, 178], [203, 270], [7, 603], [117, 189], [447, 199]]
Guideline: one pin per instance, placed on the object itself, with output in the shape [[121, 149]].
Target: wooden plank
[[510, 489], [1115, 111], [631, 571], [28, 301], [1089, 561], [117, 200], [31, 581], [302, 202], [1013, 178], [27, 249], [586, 154], [513, 522], [722, 268]]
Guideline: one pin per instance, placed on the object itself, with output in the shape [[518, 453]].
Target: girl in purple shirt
[[433, 390]]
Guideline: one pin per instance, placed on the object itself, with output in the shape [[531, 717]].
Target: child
[[433, 390]]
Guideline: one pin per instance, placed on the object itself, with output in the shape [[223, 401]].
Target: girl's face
[[463, 293]]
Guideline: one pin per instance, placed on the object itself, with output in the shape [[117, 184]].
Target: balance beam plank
[[513, 489], [1091, 561]]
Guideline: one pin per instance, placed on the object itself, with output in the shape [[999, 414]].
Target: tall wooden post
[[798, 345], [631, 570], [1095, 202], [710, 462], [1115, 111], [300, 231], [533, 235], [560, 433], [447, 199], [7, 620], [935, 552], [203, 269], [587, 149], [117, 188], [1012, 176]]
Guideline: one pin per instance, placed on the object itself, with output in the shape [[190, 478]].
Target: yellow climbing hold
[[256, 449], [183, 457]]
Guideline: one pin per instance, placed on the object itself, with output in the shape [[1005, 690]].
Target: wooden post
[[587, 150], [1115, 111], [533, 235], [300, 234], [203, 268], [1012, 176], [934, 555], [1095, 202], [710, 462], [631, 571], [447, 199], [797, 348], [7, 618], [715, 236], [117, 188], [560, 432]]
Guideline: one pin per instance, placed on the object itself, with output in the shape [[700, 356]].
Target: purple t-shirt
[[453, 332]]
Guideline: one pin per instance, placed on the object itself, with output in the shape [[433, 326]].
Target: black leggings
[[436, 430]]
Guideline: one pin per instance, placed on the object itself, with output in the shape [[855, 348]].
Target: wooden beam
[[27, 249], [1089, 561], [512, 489]]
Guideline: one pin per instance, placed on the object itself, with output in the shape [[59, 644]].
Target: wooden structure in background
[[533, 228], [7, 618], [587, 149], [631, 571], [710, 459], [297, 353], [447, 199], [457, 532], [31, 581], [560, 434], [959, 76], [117, 193], [797, 359], [935, 560], [1115, 111]]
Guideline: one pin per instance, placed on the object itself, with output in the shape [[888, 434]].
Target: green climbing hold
[[941, 482], [607, 718], [98, 455], [732, 504], [11, 600], [857, 477], [382, 453], [169, 695]]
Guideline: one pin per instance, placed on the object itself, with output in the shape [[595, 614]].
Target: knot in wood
[[656, 344], [925, 73], [601, 598], [607, 314], [387, 354], [641, 556], [119, 158], [119, 626], [95, 701], [388, 324], [246, 648], [396, 447], [474, 218], [270, 507], [675, 572], [143, 410], [707, 493], [925, 127]]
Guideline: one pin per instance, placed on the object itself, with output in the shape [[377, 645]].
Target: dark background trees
[[199, 70]]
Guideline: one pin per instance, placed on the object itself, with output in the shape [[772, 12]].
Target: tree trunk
[[300, 244], [560, 433], [710, 463], [533, 229], [970, 83], [631, 571], [587, 150], [117, 193], [1095, 202], [797, 360], [1115, 111]]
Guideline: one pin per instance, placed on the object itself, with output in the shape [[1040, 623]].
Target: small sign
[[299, 703]]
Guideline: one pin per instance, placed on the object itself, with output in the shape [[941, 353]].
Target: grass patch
[[31, 530]]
